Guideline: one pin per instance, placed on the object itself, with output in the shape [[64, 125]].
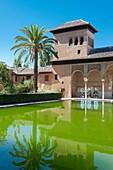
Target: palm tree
[[32, 44], [17, 63], [26, 65], [45, 58], [33, 154]]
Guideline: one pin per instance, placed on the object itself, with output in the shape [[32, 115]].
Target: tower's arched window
[[70, 42], [81, 40], [76, 41]]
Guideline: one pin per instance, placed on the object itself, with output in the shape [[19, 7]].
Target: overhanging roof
[[72, 24], [95, 55]]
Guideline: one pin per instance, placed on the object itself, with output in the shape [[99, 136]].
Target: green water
[[57, 136]]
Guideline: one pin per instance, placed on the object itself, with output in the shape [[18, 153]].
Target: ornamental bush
[[95, 93]]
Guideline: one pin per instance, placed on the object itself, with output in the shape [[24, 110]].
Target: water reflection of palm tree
[[33, 154]]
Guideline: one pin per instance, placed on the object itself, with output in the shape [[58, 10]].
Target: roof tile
[[29, 71]]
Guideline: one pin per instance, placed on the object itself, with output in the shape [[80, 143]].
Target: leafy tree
[[4, 76], [33, 44]]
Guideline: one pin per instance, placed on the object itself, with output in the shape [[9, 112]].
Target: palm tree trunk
[[35, 71]]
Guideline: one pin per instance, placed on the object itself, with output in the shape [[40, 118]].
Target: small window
[[70, 42], [81, 40], [46, 78], [62, 82], [76, 41], [78, 51], [56, 77]]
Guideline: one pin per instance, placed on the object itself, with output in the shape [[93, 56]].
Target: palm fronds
[[32, 44]]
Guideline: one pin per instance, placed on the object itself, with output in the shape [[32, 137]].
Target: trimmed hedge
[[23, 98]]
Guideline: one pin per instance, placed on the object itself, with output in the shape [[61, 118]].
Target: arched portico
[[92, 76], [77, 83], [109, 82], [94, 82]]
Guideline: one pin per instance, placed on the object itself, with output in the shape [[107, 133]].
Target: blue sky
[[14, 14]]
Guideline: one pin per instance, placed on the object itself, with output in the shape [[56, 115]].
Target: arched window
[[81, 40], [76, 41], [70, 42]]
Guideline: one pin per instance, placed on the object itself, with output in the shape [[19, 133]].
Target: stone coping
[[28, 103], [92, 99], [51, 101]]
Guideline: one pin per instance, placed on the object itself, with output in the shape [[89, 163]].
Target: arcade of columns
[[103, 69]]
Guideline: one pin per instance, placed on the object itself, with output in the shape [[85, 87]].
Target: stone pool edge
[[28, 103], [51, 101], [92, 99]]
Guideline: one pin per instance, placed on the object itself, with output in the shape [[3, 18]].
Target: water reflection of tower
[[89, 150], [66, 112]]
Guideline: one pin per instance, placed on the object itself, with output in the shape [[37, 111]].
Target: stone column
[[78, 40], [85, 81], [103, 80], [85, 117], [103, 111]]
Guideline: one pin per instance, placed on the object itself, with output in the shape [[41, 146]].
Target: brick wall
[[66, 51]]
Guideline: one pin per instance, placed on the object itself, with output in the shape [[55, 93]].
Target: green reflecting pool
[[57, 136]]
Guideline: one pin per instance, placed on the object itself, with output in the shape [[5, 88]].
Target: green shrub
[[23, 98], [29, 85], [20, 88], [9, 90]]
